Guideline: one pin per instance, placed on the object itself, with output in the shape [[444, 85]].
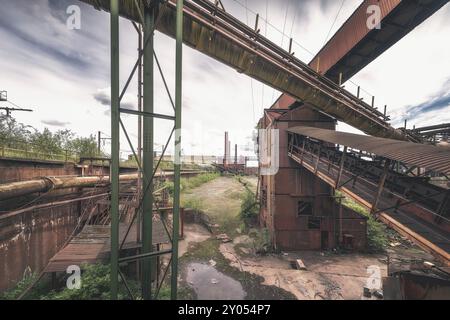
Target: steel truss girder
[[412, 188]]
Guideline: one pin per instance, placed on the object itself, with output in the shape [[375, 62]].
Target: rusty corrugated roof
[[421, 155]]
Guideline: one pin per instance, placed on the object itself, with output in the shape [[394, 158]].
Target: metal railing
[[66, 156]]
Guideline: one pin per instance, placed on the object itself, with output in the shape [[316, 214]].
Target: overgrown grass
[[261, 241], [192, 203], [197, 181], [183, 292], [187, 184], [377, 239], [95, 285], [19, 288]]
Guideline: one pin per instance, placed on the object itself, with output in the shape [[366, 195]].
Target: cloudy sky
[[64, 74]]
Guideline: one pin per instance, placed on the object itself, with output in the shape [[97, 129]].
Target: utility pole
[[99, 141], [8, 110], [4, 98], [99, 137]]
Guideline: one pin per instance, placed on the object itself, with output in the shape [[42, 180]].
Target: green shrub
[[19, 288], [377, 240], [95, 285], [261, 241], [194, 203], [249, 207]]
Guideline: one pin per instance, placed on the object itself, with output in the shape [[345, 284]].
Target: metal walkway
[[409, 217], [92, 245]]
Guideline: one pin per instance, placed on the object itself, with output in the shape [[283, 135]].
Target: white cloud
[[58, 72]]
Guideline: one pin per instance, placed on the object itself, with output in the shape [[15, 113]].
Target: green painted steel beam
[[147, 153], [115, 148], [177, 164]]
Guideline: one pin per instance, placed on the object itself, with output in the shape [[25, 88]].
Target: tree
[[46, 142], [85, 147], [14, 134]]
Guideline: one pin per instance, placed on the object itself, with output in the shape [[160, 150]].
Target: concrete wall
[[30, 239], [17, 170]]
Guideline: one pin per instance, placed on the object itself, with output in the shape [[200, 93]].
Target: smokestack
[[229, 152], [235, 154], [225, 155]]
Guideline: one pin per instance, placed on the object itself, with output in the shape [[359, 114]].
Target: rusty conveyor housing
[[354, 46], [219, 35], [403, 201]]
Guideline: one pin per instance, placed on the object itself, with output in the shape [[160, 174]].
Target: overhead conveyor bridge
[[366, 168], [216, 33]]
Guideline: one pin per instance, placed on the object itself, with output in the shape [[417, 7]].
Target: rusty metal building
[[300, 211]]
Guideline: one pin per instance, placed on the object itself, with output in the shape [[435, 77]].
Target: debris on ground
[[224, 238], [300, 265], [244, 250], [367, 292], [383, 260], [214, 281], [378, 294], [212, 263], [394, 244]]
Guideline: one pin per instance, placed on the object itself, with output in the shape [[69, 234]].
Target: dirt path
[[328, 276], [220, 199], [209, 264], [193, 233]]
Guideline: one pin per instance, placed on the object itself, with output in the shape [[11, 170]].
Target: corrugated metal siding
[[421, 155]]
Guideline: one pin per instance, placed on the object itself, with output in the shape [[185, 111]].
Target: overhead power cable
[[265, 35], [334, 22], [251, 79], [293, 40]]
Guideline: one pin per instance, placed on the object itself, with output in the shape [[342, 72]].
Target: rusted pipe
[[44, 184], [21, 188]]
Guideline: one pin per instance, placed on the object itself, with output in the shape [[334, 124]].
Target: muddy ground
[[211, 269]]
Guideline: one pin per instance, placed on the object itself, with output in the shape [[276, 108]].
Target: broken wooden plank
[[300, 265]]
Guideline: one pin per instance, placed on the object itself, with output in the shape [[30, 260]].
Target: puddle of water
[[210, 284]]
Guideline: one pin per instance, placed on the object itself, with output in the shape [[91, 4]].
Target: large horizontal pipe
[[21, 188]]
